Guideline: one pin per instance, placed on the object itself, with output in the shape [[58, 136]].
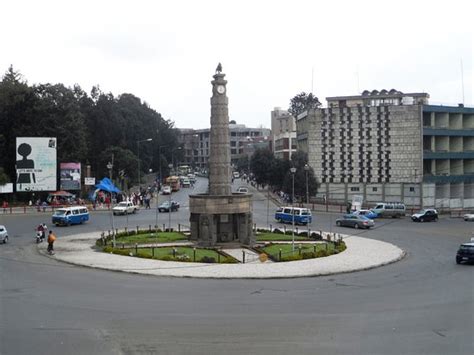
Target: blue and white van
[[70, 215], [301, 215]]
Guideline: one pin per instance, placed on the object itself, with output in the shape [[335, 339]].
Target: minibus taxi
[[70, 215], [301, 215]]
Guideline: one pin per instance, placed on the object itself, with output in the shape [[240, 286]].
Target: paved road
[[421, 305]]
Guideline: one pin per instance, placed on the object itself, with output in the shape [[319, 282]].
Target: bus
[[173, 182]]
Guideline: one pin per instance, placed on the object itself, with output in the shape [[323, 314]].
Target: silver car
[[3, 234]]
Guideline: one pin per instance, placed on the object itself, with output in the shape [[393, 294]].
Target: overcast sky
[[165, 52]]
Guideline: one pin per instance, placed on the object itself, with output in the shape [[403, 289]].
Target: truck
[[125, 207]]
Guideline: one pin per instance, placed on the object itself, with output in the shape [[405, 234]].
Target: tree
[[260, 165], [124, 159], [4, 179], [303, 102], [298, 160]]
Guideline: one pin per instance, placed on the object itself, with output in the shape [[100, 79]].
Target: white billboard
[[6, 189], [89, 181], [35, 164]]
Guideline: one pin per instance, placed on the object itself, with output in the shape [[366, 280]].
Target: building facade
[[196, 143], [283, 128], [391, 146]]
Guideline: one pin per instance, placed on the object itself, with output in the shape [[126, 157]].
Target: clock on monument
[[220, 89]]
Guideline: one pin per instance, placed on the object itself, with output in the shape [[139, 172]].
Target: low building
[[243, 140], [283, 128]]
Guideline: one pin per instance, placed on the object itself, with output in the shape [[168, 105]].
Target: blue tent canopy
[[106, 185]]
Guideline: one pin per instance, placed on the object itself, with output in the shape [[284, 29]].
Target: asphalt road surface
[[423, 304]]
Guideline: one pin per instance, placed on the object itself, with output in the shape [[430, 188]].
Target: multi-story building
[[390, 146], [242, 140], [283, 133]]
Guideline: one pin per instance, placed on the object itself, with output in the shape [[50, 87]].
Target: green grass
[[163, 237], [166, 253], [267, 236], [286, 249]]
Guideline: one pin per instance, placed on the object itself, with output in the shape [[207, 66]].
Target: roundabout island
[[360, 254]]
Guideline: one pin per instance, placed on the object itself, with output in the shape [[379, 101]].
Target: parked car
[[165, 206], [166, 190], [3, 234], [243, 190], [236, 175], [469, 217], [465, 253], [425, 216], [355, 221], [368, 213], [125, 207]]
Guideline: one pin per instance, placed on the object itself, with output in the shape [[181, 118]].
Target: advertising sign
[[70, 176], [89, 181], [6, 189], [35, 164]]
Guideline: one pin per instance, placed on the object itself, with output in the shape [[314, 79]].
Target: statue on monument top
[[219, 68]]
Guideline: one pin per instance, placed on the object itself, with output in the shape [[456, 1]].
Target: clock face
[[221, 89]]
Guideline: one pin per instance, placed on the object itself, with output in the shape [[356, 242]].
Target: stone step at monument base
[[237, 253]]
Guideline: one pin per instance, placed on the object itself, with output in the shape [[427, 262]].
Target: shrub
[[277, 231], [316, 236], [322, 253], [303, 233], [167, 258], [228, 260], [291, 257], [289, 233], [341, 246], [207, 259], [308, 255]]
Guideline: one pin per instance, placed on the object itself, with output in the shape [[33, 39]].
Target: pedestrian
[[5, 206], [51, 239], [348, 207]]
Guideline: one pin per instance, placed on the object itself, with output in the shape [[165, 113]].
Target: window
[[287, 210], [354, 189], [374, 189], [412, 189]]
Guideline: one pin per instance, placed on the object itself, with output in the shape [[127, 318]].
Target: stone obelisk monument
[[220, 216], [219, 158]]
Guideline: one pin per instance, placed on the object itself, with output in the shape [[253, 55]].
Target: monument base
[[221, 219]]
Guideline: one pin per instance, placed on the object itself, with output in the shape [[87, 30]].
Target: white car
[[469, 217], [3, 234], [166, 190], [243, 190], [125, 208]]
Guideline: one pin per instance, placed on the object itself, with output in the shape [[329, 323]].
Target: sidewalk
[[361, 254]]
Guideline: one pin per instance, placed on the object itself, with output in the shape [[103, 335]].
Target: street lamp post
[[306, 169], [172, 155], [293, 171], [169, 206], [159, 158], [138, 155]]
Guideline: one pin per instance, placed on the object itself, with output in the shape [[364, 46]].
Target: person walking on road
[[51, 239]]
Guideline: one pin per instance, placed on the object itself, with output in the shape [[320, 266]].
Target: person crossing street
[[51, 239]]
